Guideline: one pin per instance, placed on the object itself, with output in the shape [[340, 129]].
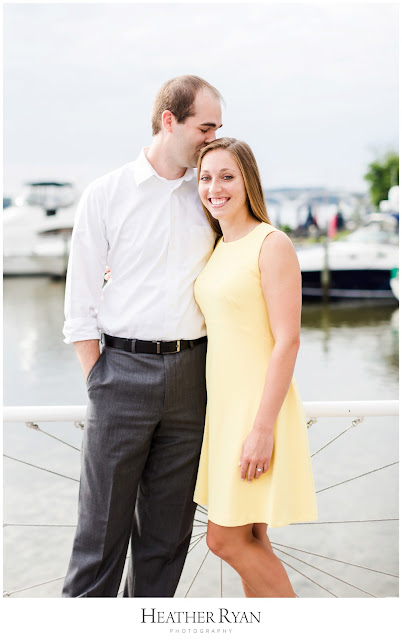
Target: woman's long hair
[[251, 176]]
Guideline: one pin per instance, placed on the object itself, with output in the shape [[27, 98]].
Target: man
[[146, 390]]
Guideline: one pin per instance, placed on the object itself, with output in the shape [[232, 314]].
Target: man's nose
[[210, 137]]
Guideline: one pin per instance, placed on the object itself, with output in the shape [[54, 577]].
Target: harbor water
[[349, 351]]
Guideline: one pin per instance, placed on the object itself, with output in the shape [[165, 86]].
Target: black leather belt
[[146, 346]]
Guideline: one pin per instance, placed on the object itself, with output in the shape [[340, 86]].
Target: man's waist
[[156, 347], [151, 324]]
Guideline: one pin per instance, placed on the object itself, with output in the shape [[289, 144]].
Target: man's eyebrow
[[210, 124]]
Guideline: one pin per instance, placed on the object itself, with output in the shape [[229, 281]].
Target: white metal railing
[[321, 409], [356, 411]]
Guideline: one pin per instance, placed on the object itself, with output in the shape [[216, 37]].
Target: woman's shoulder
[[273, 235], [276, 246], [269, 234]]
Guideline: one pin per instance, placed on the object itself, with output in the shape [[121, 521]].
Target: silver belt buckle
[[158, 346]]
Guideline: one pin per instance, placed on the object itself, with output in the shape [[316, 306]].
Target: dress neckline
[[242, 238]]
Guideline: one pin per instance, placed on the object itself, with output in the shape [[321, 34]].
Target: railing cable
[[199, 569], [36, 427], [197, 535], [29, 464], [295, 524], [331, 575], [351, 564], [360, 476], [194, 544], [354, 423], [202, 511], [6, 594], [308, 578], [22, 524]]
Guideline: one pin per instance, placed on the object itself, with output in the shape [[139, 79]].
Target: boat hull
[[25, 265], [353, 284]]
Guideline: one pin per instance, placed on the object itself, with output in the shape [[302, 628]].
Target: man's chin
[[194, 161]]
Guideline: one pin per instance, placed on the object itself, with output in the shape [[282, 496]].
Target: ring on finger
[[259, 469]]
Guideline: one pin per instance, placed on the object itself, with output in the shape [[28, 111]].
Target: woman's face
[[221, 185]]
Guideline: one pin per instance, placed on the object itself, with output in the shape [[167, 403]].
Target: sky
[[313, 88]]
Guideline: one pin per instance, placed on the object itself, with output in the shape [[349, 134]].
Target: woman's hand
[[256, 453], [107, 275]]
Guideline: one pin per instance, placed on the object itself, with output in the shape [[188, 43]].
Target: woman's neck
[[238, 228]]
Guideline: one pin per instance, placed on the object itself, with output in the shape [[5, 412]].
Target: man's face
[[197, 131]]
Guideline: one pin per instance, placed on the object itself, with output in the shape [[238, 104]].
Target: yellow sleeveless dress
[[240, 343]]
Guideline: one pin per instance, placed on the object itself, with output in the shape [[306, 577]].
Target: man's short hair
[[178, 95]]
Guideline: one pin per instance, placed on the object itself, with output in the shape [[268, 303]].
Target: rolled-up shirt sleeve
[[86, 267]]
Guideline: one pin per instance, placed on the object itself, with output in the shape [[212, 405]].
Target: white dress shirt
[[154, 236]]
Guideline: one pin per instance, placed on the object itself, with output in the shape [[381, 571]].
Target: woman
[[255, 467]]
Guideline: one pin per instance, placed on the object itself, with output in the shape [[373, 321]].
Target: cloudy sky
[[311, 87]]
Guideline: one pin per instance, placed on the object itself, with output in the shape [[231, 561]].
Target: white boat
[[358, 267], [394, 282], [37, 230]]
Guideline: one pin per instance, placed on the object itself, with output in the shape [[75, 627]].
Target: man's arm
[[85, 276], [87, 352]]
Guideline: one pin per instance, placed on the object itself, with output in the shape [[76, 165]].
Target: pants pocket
[[94, 368]]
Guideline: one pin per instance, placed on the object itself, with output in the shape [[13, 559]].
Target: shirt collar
[[144, 170]]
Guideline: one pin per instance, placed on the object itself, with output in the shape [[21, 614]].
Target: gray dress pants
[[141, 446]]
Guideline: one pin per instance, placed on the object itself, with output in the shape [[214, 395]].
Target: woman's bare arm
[[281, 286]]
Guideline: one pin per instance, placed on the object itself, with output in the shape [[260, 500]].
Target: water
[[348, 352]]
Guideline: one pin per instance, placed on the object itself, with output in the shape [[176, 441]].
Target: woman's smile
[[217, 203]]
